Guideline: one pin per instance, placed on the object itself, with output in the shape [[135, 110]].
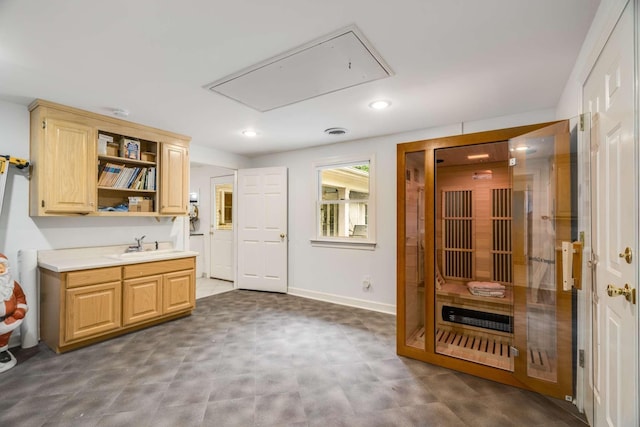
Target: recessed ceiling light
[[522, 148], [380, 104], [478, 156], [250, 133]]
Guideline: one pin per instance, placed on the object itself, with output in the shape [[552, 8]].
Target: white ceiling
[[453, 61]]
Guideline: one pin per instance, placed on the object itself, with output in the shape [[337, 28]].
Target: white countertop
[[60, 260]]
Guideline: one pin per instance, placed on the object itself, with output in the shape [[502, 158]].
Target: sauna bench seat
[[454, 296], [461, 292]]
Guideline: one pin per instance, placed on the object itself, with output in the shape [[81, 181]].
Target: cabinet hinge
[[44, 124], [581, 124], [514, 351], [581, 358]]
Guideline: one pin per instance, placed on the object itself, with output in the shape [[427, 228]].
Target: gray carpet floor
[[259, 359]]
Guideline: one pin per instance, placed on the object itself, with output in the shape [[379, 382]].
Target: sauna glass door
[[544, 170], [414, 248], [473, 254]]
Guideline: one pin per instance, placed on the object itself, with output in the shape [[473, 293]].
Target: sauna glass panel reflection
[[542, 185], [473, 292], [414, 249]]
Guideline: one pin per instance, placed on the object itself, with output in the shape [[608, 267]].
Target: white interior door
[[262, 229], [221, 228], [609, 96]]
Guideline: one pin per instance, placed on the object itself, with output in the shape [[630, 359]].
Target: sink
[[144, 254]]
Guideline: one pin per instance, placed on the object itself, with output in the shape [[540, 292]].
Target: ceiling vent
[[337, 61]]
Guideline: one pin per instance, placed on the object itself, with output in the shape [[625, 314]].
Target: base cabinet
[[148, 297], [82, 307]]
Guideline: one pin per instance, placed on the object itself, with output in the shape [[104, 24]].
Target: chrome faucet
[[138, 246]]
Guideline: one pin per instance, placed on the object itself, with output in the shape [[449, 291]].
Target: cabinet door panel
[[174, 177], [69, 171], [178, 291], [142, 299], [92, 310]]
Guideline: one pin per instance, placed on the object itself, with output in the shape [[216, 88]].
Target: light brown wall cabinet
[[86, 306], [67, 166]]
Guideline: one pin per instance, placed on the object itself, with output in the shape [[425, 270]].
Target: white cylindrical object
[[28, 279]]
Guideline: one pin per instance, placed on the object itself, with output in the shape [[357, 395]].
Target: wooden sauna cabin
[[481, 222]]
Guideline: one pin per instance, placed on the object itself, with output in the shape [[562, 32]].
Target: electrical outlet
[[366, 283]]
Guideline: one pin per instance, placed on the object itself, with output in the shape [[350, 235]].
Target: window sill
[[344, 244]]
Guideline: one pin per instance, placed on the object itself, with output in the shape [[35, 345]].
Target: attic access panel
[[331, 63]]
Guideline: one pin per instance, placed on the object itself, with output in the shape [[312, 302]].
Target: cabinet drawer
[[91, 277], [158, 267]]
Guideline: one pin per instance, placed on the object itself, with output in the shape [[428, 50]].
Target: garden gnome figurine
[[13, 307]]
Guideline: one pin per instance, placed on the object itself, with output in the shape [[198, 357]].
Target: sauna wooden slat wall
[[457, 178], [458, 234]]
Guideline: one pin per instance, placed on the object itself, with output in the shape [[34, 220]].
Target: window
[[344, 203], [224, 204]]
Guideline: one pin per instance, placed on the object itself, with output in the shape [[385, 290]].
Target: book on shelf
[[151, 184], [109, 174], [135, 183], [132, 177], [121, 178], [126, 177]]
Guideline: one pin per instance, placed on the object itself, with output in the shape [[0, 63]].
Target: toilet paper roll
[[28, 279]]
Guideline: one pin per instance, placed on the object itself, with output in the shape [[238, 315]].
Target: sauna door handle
[[571, 265]]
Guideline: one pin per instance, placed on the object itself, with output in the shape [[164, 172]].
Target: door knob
[[627, 291], [282, 235], [627, 255]]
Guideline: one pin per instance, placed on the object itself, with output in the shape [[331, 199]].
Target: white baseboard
[[338, 299]]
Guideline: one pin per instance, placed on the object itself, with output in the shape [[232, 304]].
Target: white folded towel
[[485, 285], [480, 293]]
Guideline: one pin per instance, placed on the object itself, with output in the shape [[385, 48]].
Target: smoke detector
[[335, 131], [120, 112]]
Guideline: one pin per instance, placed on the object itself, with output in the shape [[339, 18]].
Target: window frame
[[368, 243]]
